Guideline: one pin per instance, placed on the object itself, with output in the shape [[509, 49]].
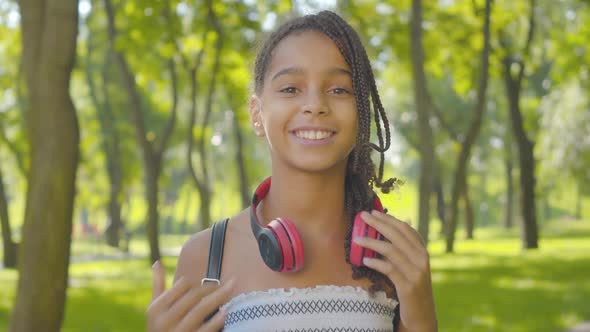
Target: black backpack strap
[[215, 252], [396, 318]]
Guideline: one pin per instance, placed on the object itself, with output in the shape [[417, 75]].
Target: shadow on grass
[[4, 314], [94, 309], [513, 295]]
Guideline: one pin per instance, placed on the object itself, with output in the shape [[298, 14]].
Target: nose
[[315, 105]]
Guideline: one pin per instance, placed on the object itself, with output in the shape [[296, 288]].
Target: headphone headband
[[280, 244]]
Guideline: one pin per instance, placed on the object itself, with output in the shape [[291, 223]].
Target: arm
[[406, 263]]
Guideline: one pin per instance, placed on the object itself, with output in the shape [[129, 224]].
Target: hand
[[405, 262], [186, 305]]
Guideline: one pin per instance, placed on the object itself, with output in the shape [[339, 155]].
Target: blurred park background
[[488, 101]]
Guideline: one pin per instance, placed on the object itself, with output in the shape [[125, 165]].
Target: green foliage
[[564, 145]]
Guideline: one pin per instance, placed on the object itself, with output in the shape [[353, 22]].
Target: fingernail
[[358, 240], [367, 260], [365, 215], [376, 213], [156, 264]]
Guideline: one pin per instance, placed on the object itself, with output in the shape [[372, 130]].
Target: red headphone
[[280, 244]]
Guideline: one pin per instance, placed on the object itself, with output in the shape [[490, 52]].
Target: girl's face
[[306, 109]]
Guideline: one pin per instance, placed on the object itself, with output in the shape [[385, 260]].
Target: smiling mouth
[[313, 134]]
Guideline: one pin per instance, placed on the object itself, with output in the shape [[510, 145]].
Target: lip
[[305, 141]]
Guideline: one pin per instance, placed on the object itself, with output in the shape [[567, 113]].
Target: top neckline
[[379, 296]]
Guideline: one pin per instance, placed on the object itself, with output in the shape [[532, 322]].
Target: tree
[[426, 142], [110, 142], [460, 183], [564, 147], [9, 246], [53, 136], [513, 83], [11, 137], [152, 149], [201, 178]]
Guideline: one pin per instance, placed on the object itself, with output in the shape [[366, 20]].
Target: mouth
[[313, 134]]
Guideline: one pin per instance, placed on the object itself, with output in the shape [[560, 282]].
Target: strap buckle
[[204, 280]]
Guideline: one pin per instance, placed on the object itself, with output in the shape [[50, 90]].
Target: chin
[[321, 164]]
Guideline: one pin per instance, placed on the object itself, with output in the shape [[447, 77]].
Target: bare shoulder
[[192, 262], [193, 256]]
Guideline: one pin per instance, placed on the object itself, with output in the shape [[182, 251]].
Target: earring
[[256, 124]]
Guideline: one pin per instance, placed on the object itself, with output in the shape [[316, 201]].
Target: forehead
[[310, 51]]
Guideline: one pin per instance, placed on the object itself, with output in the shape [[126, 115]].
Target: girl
[[314, 98]]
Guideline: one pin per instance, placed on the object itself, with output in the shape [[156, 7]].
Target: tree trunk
[[424, 129], [206, 191], [527, 164], [469, 216], [460, 182], [110, 146], [242, 173], [49, 31], [187, 204], [202, 182], [204, 218], [152, 175], [113, 163], [508, 212], [9, 247], [483, 208], [513, 87], [440, 199]]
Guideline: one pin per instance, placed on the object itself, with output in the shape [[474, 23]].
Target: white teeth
[[313, 134]]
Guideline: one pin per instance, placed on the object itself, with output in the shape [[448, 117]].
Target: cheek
[[274, 123], [349, 115]]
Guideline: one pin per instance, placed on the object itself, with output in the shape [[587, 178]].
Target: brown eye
[[340, 91], [289, 90]]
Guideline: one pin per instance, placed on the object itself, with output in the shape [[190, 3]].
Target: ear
[[255, 107]]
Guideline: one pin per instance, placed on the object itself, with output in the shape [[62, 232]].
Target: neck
[[313, 202]]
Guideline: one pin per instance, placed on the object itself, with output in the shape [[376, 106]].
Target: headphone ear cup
[[295, 245], [290, 244], [358, 230], [361, 229], [269, 248]]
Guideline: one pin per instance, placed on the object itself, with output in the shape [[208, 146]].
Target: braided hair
[[360, 172]]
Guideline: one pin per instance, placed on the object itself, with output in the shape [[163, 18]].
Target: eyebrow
[[299, 71]]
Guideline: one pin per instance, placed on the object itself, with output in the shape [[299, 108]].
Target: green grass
[[489, 284]]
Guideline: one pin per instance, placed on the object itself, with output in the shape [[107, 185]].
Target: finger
[[214, 324], [390, 252], [189, 300], [386, 268], [387, 229], [169, 296], [406, 230], [158, 279], [194, 318]]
